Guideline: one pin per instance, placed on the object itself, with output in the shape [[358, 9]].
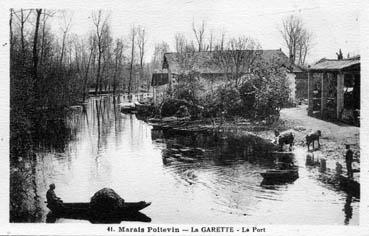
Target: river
[[215, 182]]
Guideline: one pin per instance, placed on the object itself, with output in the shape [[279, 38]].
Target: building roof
[[335, 65], [203, 62]]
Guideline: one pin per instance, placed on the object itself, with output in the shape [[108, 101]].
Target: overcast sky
[[334, 24]]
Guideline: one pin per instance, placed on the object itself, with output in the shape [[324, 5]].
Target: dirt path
[[338, 134], [334, 136]]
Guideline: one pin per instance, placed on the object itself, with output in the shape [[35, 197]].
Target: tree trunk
[[86, 74], [98, 72], [42, 43], [62, 51], [131, 66], [11, 35], [35, 39], [35, 54], [115, 75], [22, 34]]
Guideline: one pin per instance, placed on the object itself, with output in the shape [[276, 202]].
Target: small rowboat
[[127, 107], [79, 207], [81, 210], [280, 175]]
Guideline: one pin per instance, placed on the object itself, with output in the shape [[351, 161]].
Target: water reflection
[[348, 209], [137, 216], [215, 177]]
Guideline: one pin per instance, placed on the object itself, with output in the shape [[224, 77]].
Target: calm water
[[188, 179]]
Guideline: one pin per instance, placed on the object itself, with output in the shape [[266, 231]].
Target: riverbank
[[333, 139], [216, 176]]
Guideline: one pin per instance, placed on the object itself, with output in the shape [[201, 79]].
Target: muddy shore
[[333, 139]]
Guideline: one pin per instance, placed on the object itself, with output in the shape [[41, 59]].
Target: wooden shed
[[159, 85], [334, 89]]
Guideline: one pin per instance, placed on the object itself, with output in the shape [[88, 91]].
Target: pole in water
[[309, 159], [323, 165]]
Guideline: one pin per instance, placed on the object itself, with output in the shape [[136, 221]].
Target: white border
[[90, 229]]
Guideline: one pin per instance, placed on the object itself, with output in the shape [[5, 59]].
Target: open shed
[[334, 89]]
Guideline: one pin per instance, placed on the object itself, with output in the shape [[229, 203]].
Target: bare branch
[[297, 39], [199, 34]]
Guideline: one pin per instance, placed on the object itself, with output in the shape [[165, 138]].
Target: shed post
[[154, 94], [323, 101], [310, 93], [170, 83], [340, 92]]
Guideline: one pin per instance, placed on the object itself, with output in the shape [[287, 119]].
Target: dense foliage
[[261, 94]]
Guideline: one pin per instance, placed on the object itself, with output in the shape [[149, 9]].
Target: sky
[[334, 24]]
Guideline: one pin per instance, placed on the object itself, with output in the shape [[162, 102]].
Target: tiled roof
[[332, 64], [203, 62]]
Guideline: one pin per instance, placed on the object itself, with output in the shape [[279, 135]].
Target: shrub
[[170, 107], [189, 87], [229, 101]]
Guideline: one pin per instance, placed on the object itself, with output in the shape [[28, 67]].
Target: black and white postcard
[[184, 117]]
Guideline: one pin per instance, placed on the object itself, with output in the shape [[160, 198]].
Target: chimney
[[292, 60], [339, 55]]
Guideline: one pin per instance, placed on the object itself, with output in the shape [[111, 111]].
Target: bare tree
[[35, 40], [107, 56], [159, 51], [221, 44], [101, 23], [214, 41], [180, 42], [199, 34], [35, 84], [84, 52], [141, 41], [133, 39], [297, 39], [118, 57], [211, 39], [237, 59], [46, 15], [11, 31], [64, 27], [305, 44], [22, 20]]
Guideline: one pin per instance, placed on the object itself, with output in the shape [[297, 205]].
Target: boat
[[127, 107], [287, 175], [142, 107], [129, 212], [84, 208]]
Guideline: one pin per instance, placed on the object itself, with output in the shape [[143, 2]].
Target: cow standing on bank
[[286, 137], [312, 137]]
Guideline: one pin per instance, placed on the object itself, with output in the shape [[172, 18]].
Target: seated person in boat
[[52, 200]]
